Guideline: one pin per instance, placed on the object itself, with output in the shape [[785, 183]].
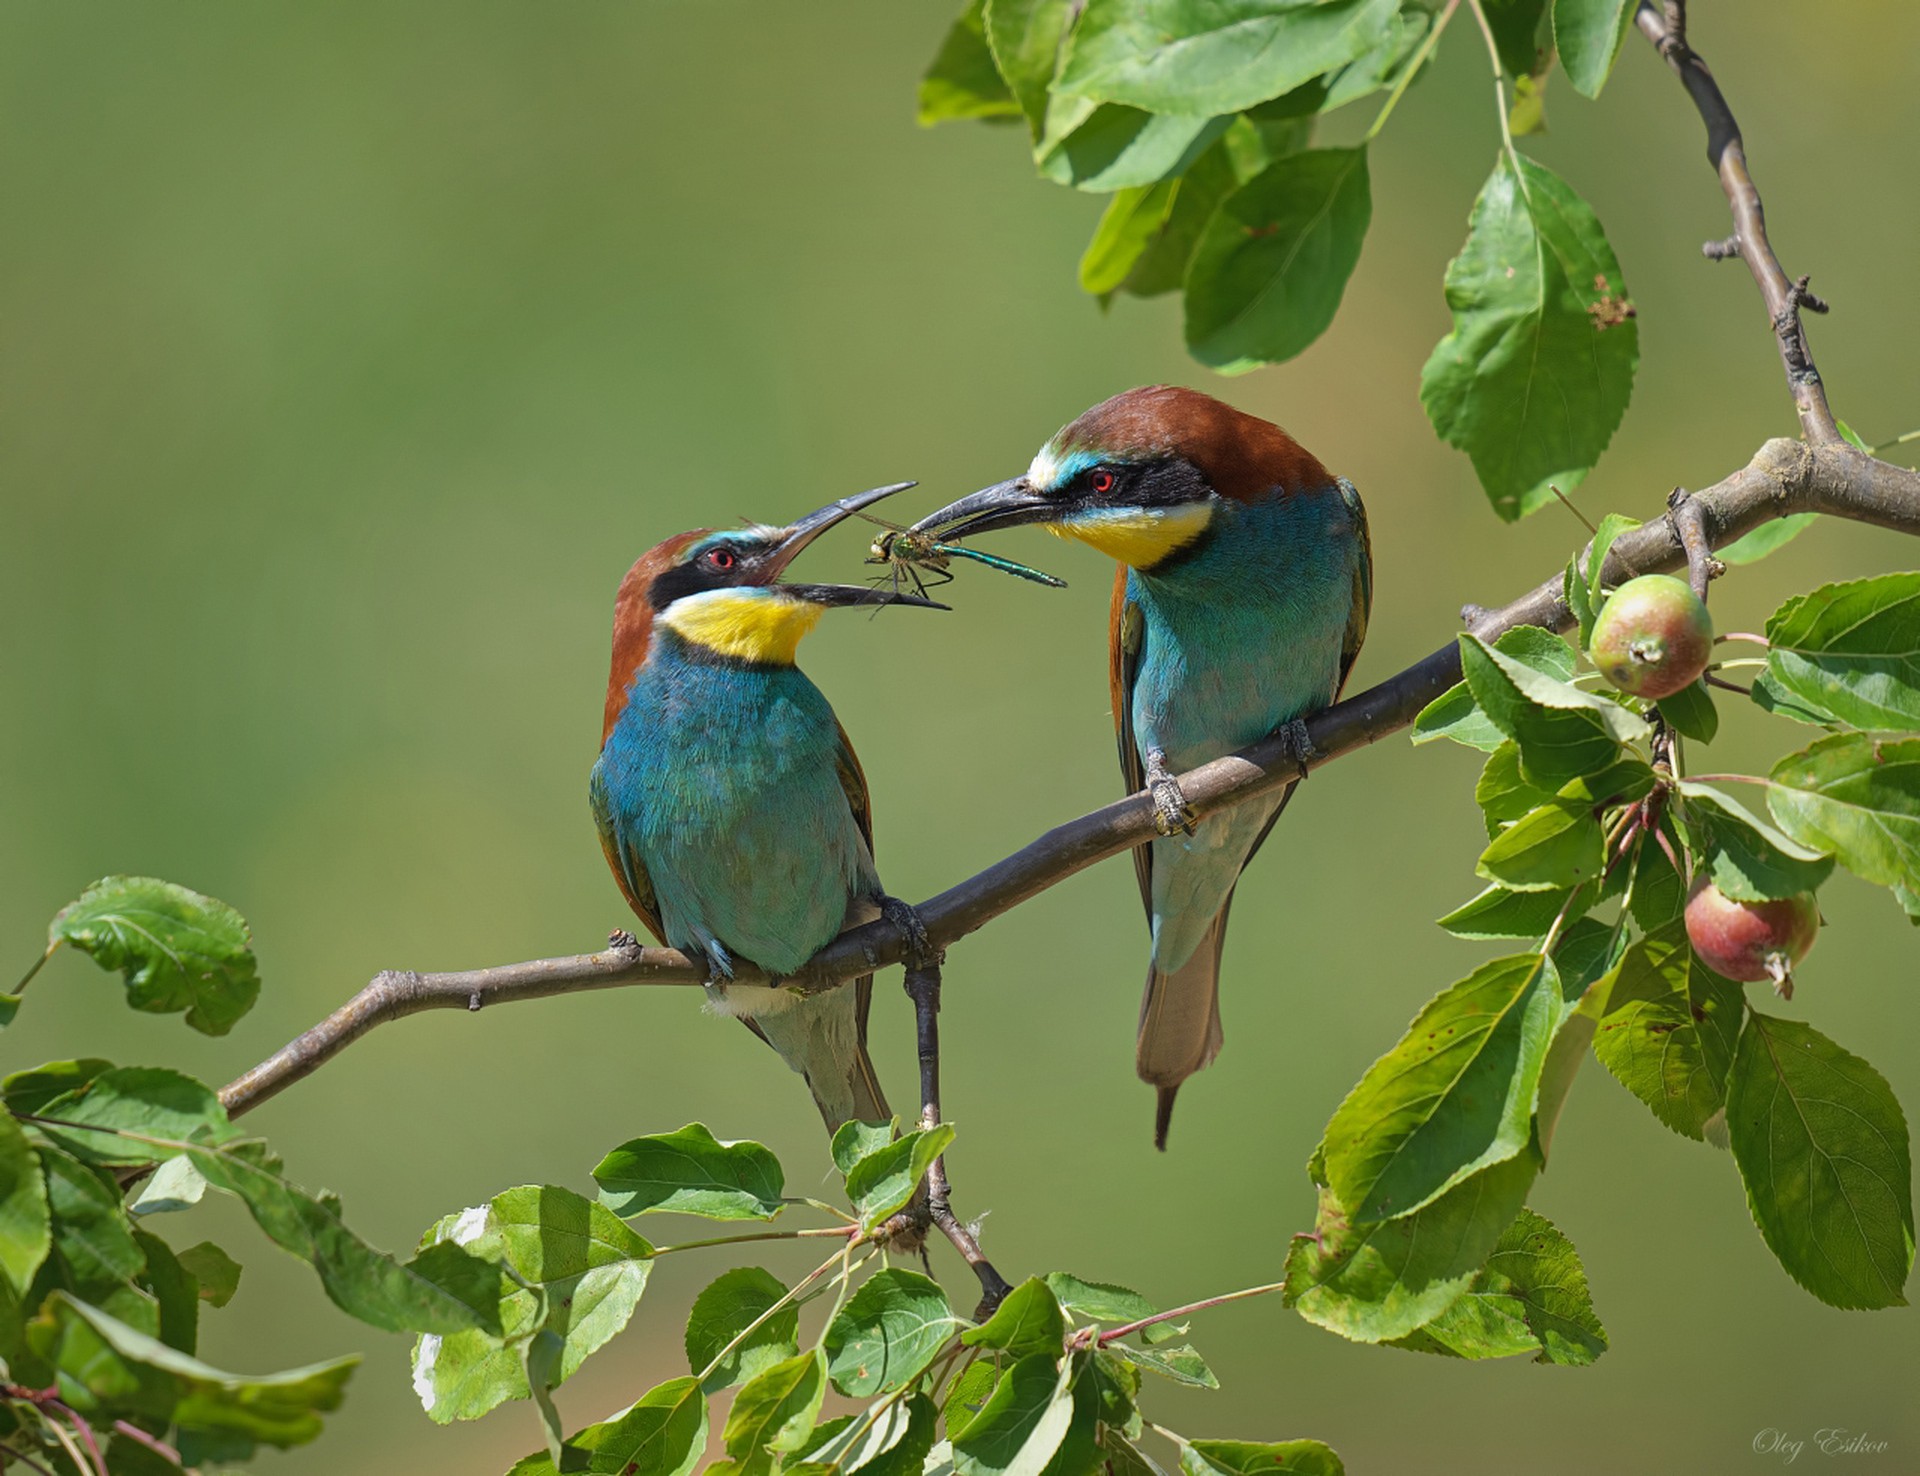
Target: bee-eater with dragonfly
[[729, 801], [1239, 607]]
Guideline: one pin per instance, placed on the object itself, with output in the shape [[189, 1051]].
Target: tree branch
[[1784, 478], [1666, 27]]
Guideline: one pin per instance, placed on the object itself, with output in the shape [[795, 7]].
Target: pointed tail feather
[[821, 1039], [1180, 1023]]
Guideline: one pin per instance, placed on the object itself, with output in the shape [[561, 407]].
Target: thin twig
[[1784, 477], [923, 988], [1114, 1334], [1406, 76], [14, 1453], [1500, 95], [1726, 151], [152, 1442], [1689, 525]]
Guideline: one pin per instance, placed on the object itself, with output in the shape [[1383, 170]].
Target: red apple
[[1653, 637], [1751, 941]]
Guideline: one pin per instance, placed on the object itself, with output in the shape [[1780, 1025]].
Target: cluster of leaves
[[99, 1315], [1198, 118], [1594, 839], [1048, 1382]]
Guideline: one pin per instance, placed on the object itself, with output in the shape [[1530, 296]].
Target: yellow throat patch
[[744, 624], [1139, 537]]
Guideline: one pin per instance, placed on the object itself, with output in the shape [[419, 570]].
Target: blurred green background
[[352, 352]]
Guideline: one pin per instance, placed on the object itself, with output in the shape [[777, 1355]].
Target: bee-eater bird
[[729, 801], [1240, 604]]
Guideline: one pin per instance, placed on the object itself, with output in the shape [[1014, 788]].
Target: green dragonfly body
[[921, 560]]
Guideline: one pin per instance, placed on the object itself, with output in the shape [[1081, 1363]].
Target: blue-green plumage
[[728, 800], [723, 781], [1236, 637], [1240, 605]]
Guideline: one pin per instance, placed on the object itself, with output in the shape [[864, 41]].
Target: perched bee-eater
[[729, 801], [1240, 604]]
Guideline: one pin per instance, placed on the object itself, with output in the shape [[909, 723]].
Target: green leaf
[[1454, 1096], [1563, 733], [967, 1393], [1601, 544], [1502, 794], [1029, 1320], [176, 1185], [1117, 148], [1659, 892], [1022, 1423], [663, 1433], [1554, 848], [94, 1255], [774, 1411], [1690, 712], [692, 1173], [27, 1092], [1535, 376], [882, 1183], [1498, 913], [1585, 956], [1024, 37], [887, 1333], [1131, 221], [1245, 1458], [1097, 1301], [174, 1289], [106, 1368], [1370, 1283], [894, 1444], [1531, 1297], [1182, 1364], [1822, 1145], [26, 1228], [1857, 797], [1573, 589], [176, 949], [1752, 547], [724, 1311], [962, 81], [1520, 33], [1588, 34], [1455, 714], [216, 1272], [1272, 264], [1852, 650], [135, 1115], [853, 1141], [578, 1274], [1769, 696], [1747, 858], [1162, 263], [1669, 1030], [1214, 56]]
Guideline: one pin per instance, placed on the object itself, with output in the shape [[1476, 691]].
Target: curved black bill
[[804, 530], [1003, 505], [856, 594]]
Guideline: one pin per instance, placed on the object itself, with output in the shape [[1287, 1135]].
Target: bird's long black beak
[[1003, 505], [857, 594], [802, 532]]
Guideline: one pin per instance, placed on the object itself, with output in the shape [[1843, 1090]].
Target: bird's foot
[[1298, 744], [621, 941], [918, 950], [1172, 815]]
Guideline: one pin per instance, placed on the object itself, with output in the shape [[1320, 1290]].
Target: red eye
[[720, 558], [1101, 481]]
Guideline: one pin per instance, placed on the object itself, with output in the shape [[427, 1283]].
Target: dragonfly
[[922, 560]]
